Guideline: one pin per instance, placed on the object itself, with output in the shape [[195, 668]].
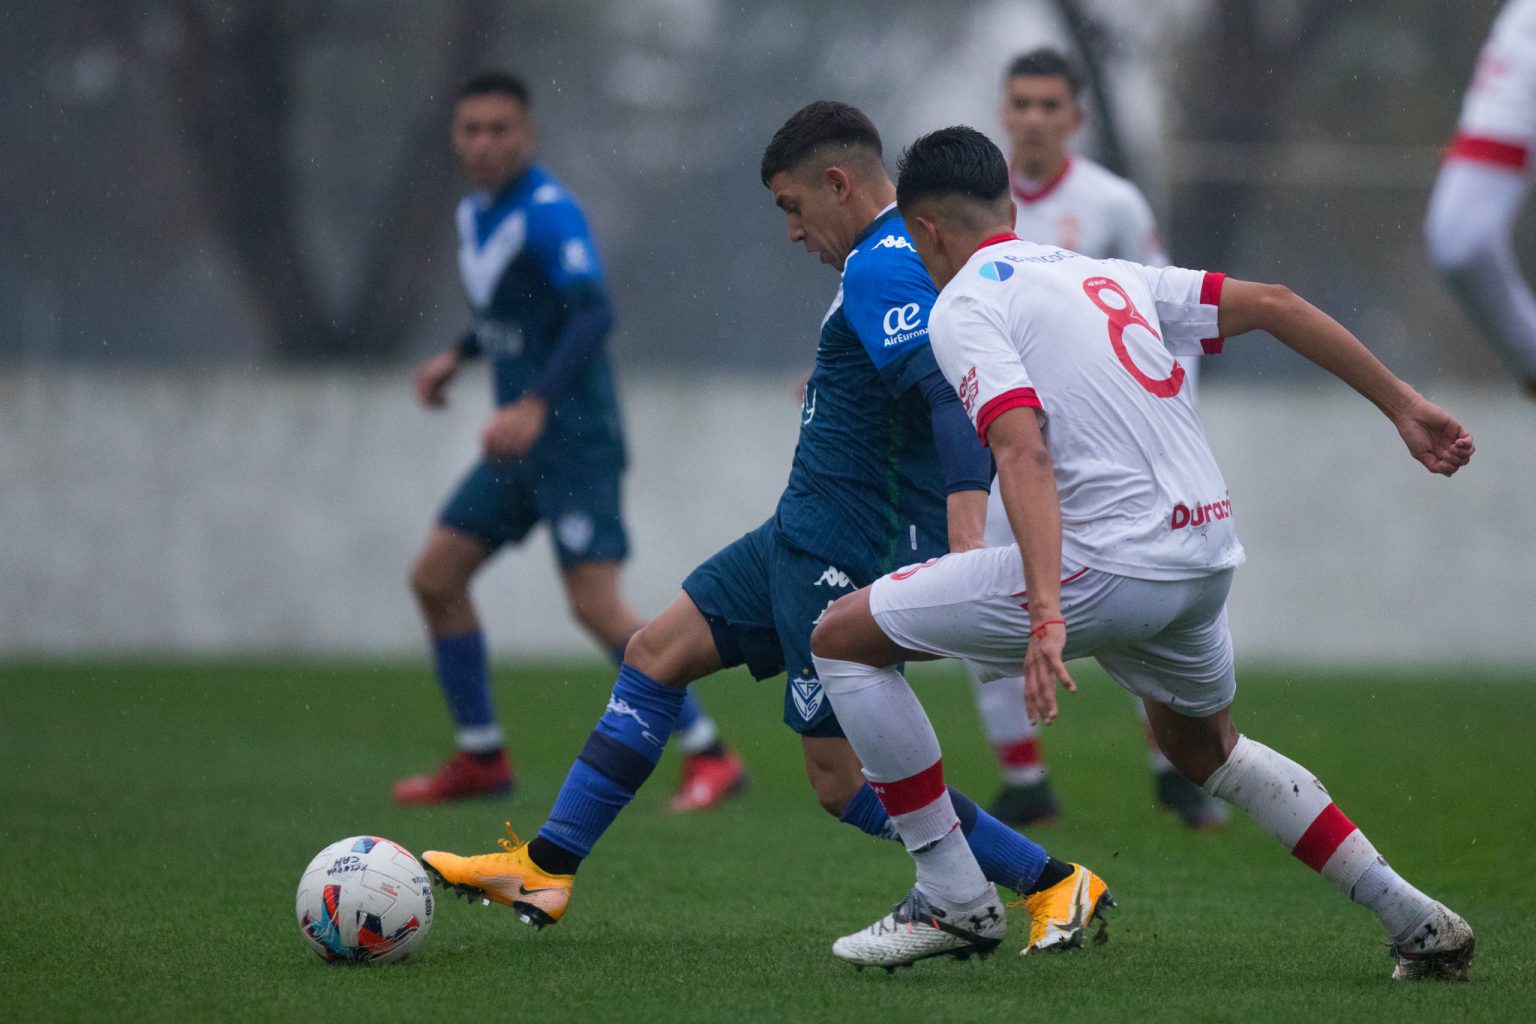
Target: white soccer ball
[[364, 900]]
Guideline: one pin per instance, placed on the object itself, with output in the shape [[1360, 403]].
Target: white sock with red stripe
[[1290, 804], [890, 731], [1014, 739]]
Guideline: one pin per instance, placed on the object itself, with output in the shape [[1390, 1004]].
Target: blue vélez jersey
[[866, 491], [529, 269]]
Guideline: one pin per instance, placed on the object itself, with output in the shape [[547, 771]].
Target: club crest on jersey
[[997, 270], [807, 695]]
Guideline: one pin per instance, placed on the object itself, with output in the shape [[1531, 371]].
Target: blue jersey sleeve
[[559, 239], [887, 296]]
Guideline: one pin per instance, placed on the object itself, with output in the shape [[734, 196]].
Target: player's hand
[[432, 378], [515, 428], [1433, 437], [1043, 669]]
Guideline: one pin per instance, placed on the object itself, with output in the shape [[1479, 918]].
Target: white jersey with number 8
[[1092, 346]]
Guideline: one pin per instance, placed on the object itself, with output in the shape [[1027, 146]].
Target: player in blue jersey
[[553, 451], [887, 472]]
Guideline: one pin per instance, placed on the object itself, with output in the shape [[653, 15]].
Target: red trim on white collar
[[1026, 196], [1006, 236]]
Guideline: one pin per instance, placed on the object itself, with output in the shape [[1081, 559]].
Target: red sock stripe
[[1019, 753], [1327, 831], [912, 793], [1489, 151]]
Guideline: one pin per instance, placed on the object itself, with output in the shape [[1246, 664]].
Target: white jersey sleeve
[[1188, 306], [981, 361]]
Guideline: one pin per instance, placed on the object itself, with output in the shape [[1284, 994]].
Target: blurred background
[[227, 235]]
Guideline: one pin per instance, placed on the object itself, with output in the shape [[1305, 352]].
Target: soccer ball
[[364, 900]]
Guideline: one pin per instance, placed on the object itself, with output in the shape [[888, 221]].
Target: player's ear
[[838, 181]]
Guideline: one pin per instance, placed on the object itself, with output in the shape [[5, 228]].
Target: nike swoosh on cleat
[[523, 890]]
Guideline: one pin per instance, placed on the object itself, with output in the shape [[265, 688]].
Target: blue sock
[[689, 713], [464, 675], [618, 757], [1006, 857]]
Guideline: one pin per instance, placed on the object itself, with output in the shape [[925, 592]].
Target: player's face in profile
[[1040, 115], [493, 139], [814, 214]]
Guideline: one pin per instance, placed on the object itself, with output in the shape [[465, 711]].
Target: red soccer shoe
[[465, 775], [708, 781]]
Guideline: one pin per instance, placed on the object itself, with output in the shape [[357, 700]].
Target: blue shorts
[[500, 501], [761, 598]]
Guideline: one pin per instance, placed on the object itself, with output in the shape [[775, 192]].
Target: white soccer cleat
[[1440, 946], [917, 929]]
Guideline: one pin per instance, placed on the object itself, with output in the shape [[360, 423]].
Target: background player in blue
[[553, 451], [887, 472]]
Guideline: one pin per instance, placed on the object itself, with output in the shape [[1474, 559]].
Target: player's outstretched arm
[[1028, 481], [1432, 436]]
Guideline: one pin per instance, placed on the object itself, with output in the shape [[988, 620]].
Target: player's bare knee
[[650, 651], [434, 588], [830, 638]]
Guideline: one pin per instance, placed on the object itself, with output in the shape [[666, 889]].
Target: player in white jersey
[[1482, 186], [1070, 369], [1069, 201]]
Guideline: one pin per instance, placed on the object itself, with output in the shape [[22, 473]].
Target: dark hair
[[495, 83], [951, 161], [814, 127], [1048, 62]]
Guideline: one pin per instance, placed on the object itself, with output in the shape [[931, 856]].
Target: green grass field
[[156, 818]]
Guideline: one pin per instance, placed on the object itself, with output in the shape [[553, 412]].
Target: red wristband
[[1040, 629]]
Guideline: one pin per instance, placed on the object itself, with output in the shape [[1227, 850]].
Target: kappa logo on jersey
[[968, 390], [834, 577], [807, 695], [894, 242], [997, 270]]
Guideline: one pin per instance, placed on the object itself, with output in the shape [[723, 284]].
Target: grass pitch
[[156, 817]]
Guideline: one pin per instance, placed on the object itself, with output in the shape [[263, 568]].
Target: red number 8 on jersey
[[1121, 317]]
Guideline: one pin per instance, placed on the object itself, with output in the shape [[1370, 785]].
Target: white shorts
[[1498, 115], [1163, 640]]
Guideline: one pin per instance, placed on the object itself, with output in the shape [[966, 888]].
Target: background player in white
[[1125, 542], [1482, 186], [1067, 200]]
